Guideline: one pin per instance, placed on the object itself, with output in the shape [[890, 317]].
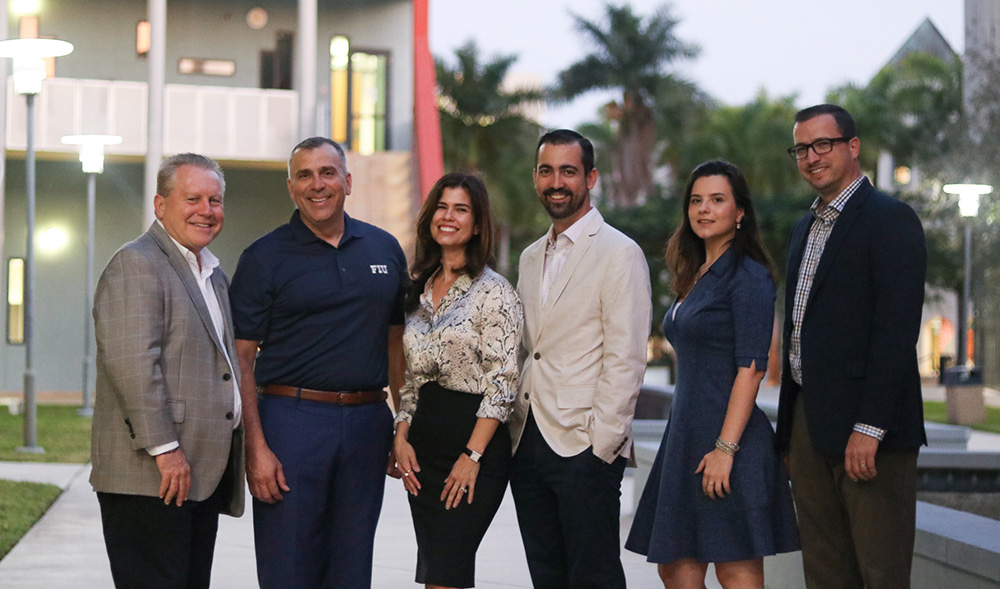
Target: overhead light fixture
[[29, 60], [25, 7], [968, 196]]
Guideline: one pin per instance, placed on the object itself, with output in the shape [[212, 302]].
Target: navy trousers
[[568, 509], [334, 459]]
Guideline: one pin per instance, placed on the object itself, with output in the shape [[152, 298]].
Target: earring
[[737, 224]]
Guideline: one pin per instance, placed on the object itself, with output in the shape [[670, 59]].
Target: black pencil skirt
[[447, 540]]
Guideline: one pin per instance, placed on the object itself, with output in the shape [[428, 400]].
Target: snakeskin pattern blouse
[[469, 344]]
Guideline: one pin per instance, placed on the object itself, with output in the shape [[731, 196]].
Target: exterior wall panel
[[101, 88]]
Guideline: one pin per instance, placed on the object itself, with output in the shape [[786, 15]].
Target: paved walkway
[[66, 548]]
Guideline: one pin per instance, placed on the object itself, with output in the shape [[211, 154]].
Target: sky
[[800, 47]]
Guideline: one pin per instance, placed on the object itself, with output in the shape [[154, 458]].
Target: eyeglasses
[[820, 146]]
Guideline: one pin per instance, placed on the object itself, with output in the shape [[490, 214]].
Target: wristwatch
[[472, 454]]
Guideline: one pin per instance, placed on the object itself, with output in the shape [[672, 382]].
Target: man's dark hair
[[844, 120], [165, 174], [315, 143], [569, 137]]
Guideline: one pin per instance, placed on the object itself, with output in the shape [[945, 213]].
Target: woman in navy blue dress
[[717, 493]]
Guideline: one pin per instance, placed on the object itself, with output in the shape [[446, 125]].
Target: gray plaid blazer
[[162, 375]]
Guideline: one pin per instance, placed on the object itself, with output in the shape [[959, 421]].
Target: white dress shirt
[[557, 249]]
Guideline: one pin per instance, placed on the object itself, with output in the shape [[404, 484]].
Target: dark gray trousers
[[854, 534]]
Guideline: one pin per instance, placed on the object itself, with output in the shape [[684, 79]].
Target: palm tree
[[631, 54], [484, 130], [910, 109], [754, 136]]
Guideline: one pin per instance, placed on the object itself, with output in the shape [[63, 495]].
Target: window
[[359, 89], [15, 301], [276, 64]]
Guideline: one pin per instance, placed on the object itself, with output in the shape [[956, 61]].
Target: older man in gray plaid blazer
[[167, 440]]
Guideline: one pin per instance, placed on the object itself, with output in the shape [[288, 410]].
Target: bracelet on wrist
[[727, 447]]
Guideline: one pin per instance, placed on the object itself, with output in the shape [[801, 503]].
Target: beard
[[564, 208]]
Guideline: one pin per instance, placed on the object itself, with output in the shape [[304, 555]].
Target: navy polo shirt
[[322, 313]]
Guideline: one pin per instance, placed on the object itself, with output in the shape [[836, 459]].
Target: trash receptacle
[[962, 375], [964, 394]]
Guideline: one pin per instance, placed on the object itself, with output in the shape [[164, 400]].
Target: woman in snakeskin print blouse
[[463, 331]]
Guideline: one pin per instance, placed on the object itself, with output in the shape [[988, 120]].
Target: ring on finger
[[462, 490]]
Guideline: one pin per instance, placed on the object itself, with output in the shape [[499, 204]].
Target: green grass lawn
[[21, 504], [64, 435], [935, 411]]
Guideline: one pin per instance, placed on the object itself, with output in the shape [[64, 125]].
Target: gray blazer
[[162, 374]]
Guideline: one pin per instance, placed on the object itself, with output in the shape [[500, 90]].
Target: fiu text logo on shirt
[[379, 269]]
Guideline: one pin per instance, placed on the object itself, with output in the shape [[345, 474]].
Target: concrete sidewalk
[[66, 547]]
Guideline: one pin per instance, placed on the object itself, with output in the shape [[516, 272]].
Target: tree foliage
[[755, 136], [661, 126], [484, 130], [911, 110], [631, 54]]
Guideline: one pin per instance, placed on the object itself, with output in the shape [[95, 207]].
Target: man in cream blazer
[[587, 305], [167, 447]]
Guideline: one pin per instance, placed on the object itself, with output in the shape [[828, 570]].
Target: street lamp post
[[968, 206], [29, 71], [92, 158], [964, 401]]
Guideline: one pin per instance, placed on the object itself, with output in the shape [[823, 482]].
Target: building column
[[4, 34], [426, 122], [156, 59], [305, 68]]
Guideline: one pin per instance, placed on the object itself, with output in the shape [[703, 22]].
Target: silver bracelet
[[727, 447]]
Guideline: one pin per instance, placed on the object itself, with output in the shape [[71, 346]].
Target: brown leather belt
[[337, 398]]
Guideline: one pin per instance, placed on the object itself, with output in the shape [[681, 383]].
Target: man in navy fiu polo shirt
[[322, 299]]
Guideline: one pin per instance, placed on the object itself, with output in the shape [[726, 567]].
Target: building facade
[[232, 92]]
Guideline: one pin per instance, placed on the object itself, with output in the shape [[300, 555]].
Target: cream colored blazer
[[584, 351]]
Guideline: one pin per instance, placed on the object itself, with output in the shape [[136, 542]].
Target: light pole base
[[85, 412], [30, 449]]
